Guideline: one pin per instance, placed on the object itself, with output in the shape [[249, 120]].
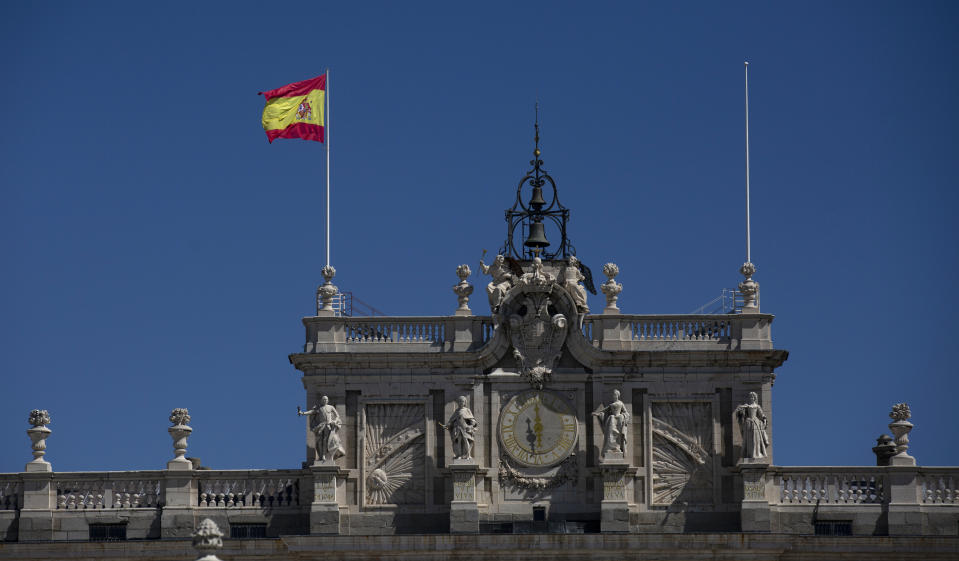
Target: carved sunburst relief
[[682, 457], [394, 454]]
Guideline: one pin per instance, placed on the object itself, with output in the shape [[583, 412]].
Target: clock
[[538, 428]]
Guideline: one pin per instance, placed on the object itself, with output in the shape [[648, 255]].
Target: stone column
[[39, 493], [325, 509], [614, 515], [464, 511], [754, 511]]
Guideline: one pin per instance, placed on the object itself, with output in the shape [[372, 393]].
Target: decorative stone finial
[[611, 288], [207, 539], [327, 291], [900, 427], [749, 288], [179, 432], [463, 291], [39, 418]]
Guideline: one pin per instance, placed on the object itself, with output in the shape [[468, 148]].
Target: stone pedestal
[[179, 500], [325, 509], [754, 513], [464, 512], [614, 516], [905, 515], [39, 501]]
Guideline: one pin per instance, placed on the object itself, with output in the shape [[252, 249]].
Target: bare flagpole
[[326, 130], [748, 256]]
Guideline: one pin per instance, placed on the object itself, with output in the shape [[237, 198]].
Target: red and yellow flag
[[296, 110]]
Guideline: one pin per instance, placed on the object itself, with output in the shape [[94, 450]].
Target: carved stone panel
[[682, 438], [394, 452]]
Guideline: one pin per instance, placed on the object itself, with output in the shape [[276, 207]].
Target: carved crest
[[537, 327]]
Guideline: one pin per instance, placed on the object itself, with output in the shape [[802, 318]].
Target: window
[[113, 532], [247, 530], [834, 528]]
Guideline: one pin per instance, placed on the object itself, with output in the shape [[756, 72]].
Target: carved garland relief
[[394, 453]]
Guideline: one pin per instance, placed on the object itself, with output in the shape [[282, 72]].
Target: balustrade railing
[[81, 491], [11, 494], [679, 328], [233, 489], [828, 486], [939, 486], [395, 330]]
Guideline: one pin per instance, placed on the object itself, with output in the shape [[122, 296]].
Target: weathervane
[[532, 217]]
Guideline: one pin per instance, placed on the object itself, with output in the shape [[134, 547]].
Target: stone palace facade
[[540, 430]]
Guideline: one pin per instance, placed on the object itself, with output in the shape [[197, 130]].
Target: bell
[[537, 201], [537, 236]]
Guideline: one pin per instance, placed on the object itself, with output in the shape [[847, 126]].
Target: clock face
[[538, 428]]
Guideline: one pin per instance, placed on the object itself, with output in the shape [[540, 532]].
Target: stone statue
[[615, 421], [325, 424], [752, 421], [571, 277], [462, 428], [500, 285]]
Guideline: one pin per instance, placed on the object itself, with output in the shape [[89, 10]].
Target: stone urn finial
[[900, 427], [179, 432], [463, 290], [207, 539], [611, 288], [326, 292], [749, 288], [39, 418]]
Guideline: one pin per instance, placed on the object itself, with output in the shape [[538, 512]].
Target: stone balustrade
[[11, 492], [827, 485], [939, 485], [109, 490], [241, 488], [606, 332]]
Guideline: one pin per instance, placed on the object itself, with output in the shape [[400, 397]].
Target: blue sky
[[159, 253]]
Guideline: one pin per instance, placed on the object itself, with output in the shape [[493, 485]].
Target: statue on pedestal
[[614, 419], [752, 421], [325, 424], [462, 428]]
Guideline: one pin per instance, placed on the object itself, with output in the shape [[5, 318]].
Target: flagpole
[[327, 142], [748, 260]]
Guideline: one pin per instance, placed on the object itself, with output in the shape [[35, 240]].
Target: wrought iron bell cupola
[[527, 221]]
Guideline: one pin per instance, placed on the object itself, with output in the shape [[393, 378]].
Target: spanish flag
[[296, 110]]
